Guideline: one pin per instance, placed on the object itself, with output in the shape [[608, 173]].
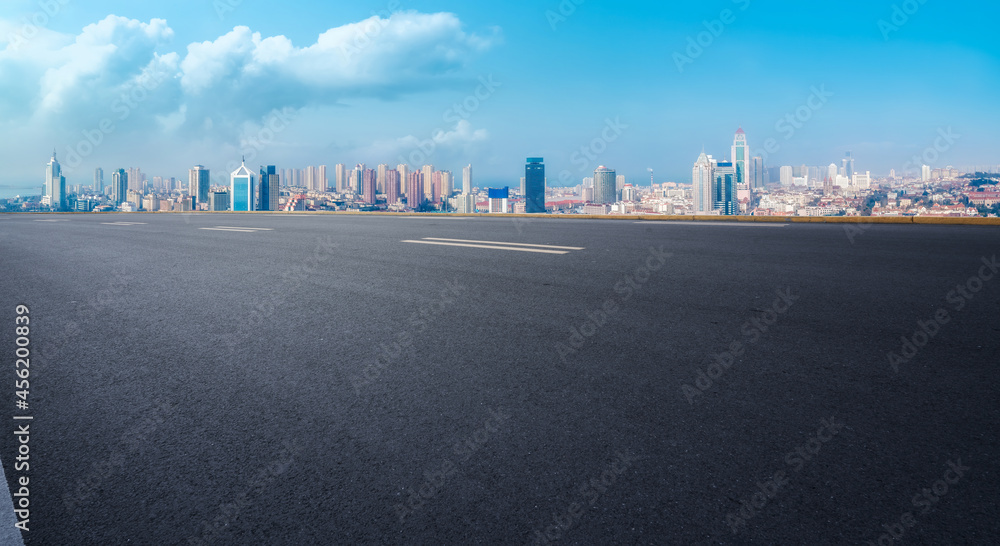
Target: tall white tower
[[55, 184], [701, 180], [467, 180]]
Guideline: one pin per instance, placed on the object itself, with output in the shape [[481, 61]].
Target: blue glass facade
[[534, 186]]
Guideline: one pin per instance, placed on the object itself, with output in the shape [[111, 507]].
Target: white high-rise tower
[[55, 184], [467, 180], [701, 179]]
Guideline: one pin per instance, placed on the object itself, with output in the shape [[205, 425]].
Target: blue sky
[[580, 83]]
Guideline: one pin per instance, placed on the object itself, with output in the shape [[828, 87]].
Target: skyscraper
[[428, 172], [242, 189], [369, 179], [55, 184], [534, 186], [605, 182], [467, 180], [447, 184], [99, 180], [741, 157], [322, 183], [757, 177], [415, 190], [199, 180], [341, 174], [787, 175], [119, 186], [358, 178], [724, 188], [404, 178], [392, 186], [436, 187], [848, 165], [701, 181], [380, 180], [269, 188]]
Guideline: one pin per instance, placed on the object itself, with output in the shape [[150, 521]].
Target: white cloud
[[72, 82]]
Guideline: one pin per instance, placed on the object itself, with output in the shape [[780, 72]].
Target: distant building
[[701, 182], [369, 182], [467, 179], [863, 181], [847, 165], [499, 201], [740, 157], [757, 177], [98, 180], [119, 187], [199, 182], [269, 189], [605, 183], [415, 190], [724, 188], [241, 189], [218, 201], [428, 172], [466, 203], [534, 186], [925, 173], [629, 193], [55, 184], [404, 178], [392, 193], [447, 184], [340, 171], [787, 175]]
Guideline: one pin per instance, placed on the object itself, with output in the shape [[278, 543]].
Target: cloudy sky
[[632, 85]]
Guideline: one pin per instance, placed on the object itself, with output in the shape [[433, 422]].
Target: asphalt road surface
[[294, 379]]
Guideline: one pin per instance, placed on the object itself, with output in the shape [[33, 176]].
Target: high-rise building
[[447, 184], [268, 189], [342, 180], [605, 182], [436, 187], [534, 186], [757, 177], [415, 190], [724, 188], [55, 184], [392, 193], [369, 180], [322, 182], [241, 184], [119, 186], [847, 166], [701, 182], [832, 171], [358, 178], [467, 180], [787, 175], [199, 180], [741, 157], [428, 172], [404, 178], [380, 180], [98, 180]]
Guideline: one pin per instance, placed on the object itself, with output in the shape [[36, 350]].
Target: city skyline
[[336, 86]]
